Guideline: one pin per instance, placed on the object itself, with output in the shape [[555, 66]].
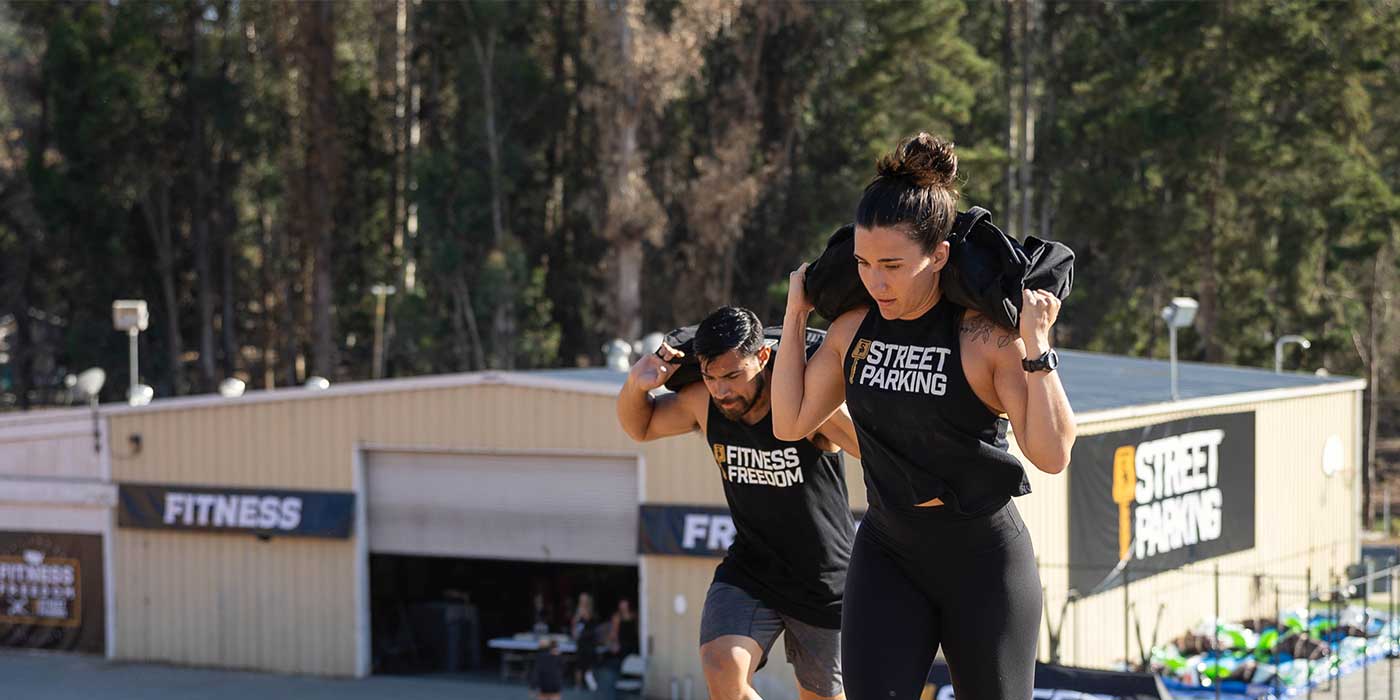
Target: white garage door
[[535, 508]]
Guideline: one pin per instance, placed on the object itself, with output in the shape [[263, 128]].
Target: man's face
[[735, 382]]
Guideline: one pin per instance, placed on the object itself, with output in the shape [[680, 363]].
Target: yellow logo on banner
[[1124, 492]]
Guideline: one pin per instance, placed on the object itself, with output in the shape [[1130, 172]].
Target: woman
[[581, 628], [942, 557], [623, 637]]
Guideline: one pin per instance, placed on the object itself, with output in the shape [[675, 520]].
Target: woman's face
[[896, 271]]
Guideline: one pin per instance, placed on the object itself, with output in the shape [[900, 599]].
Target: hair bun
[[925, 160]]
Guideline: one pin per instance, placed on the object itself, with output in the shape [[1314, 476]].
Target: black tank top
[[923, 433], [792, 519]]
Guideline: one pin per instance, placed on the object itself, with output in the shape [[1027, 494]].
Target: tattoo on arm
[[981, 329]]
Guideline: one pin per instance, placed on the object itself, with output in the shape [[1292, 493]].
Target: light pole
[[130, 315], [1179, 314], [380, 291], [1278, 349], [89, 384]]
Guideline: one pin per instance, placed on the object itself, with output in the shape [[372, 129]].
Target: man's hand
[[651, 371]]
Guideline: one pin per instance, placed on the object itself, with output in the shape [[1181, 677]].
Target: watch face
[[1052, 359]]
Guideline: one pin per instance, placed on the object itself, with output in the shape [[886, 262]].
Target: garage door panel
[[539, 508]]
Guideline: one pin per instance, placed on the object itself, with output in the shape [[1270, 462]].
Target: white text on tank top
[[916, 369]]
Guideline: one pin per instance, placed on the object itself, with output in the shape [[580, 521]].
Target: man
[[786, 570]]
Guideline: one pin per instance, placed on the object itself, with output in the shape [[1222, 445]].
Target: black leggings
[[921, 580]]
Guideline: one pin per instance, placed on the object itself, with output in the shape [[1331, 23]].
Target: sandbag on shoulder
[[688, 370], [987, 270]]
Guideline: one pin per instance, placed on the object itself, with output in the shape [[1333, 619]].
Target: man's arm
[[645, 417]]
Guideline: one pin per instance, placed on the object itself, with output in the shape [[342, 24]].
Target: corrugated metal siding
[[675, 639], [233, 601]]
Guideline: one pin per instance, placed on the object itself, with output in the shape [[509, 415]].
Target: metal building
[[240, 532]]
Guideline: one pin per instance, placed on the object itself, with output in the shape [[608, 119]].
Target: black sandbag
[[688, 369], [833, 281], [987, 270]]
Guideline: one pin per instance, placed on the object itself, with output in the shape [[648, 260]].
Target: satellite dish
[[232, 388], [140, 395], [90, 381]]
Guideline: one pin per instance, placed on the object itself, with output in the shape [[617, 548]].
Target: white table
[[531, 643], [518, 649]]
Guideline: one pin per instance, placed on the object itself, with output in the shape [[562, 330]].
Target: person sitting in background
[[547, 676], [540, 614]]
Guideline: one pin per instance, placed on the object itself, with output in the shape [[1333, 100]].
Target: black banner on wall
[[51, 591], [1159, 497], [696, 531], [258, 511]]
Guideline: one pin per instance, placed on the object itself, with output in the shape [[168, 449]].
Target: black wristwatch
[[1045, 363]]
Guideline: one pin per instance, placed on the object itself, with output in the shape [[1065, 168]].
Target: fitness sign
[[1159, 497], [693, 531], [51, 591], [233, 510]]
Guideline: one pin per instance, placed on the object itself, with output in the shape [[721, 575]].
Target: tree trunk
[[469, 350], [17, 286], [156, 208], [228, 317], [503, 316], [267, 283], [1044, 177], [625, 182], [322, 170], [390, 67], [1208, 314], [1008, 60], [407, 232], [1029, 9], [199, 206], [1375, 362]]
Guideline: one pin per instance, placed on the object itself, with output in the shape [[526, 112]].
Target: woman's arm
[[806, 393], [841, 431], [1040, 414]]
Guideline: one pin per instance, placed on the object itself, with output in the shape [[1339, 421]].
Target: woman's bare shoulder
[[980, 331], [843, 329]]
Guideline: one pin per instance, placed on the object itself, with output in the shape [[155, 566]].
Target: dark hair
[[914, 188], [728, 328]]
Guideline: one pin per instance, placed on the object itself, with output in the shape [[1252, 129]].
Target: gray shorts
[[814, 652]]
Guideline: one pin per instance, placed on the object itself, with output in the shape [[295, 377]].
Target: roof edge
[[1221, 400]]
